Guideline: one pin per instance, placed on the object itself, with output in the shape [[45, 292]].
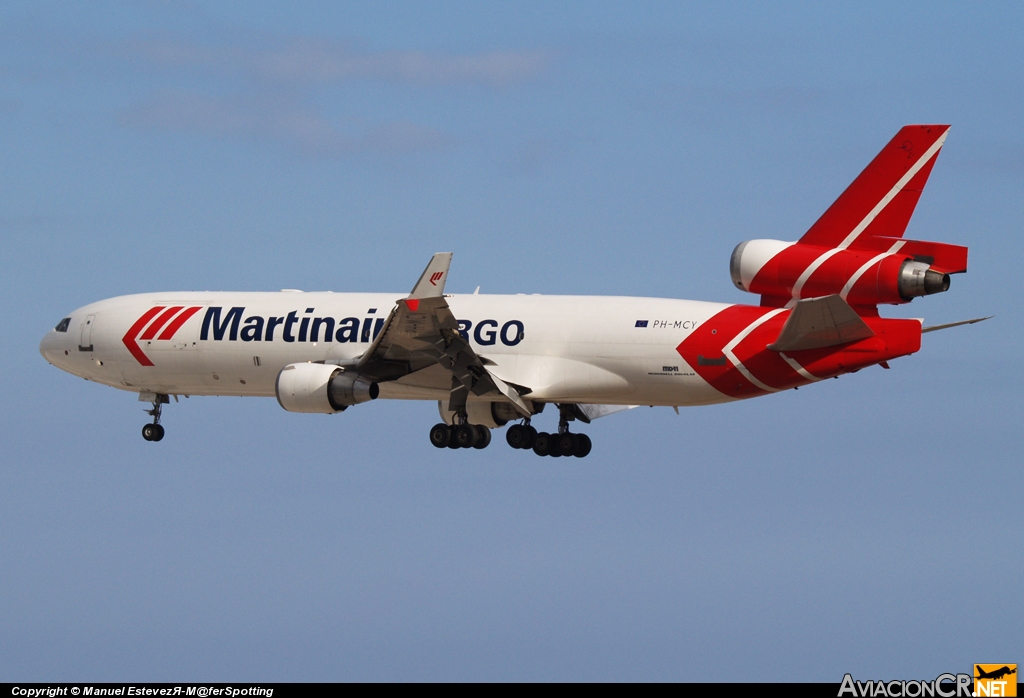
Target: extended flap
[[821, 322]]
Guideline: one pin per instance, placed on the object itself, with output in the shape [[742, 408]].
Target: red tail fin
[[880, 202]]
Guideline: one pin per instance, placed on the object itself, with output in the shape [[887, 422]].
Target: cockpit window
[[63, 325]]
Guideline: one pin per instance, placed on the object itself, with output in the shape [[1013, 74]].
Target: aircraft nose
[[46, 347], [51, 347]]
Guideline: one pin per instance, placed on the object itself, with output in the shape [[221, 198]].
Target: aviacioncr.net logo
[[943, 686], [995, 680]]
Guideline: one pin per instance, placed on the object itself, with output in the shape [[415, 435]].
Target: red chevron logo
[[435, 277], [146, 328]]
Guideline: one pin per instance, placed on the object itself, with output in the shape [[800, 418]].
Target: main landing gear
[[155, 432], [521, 436], [542, 443], [563, 443], [460, 436]]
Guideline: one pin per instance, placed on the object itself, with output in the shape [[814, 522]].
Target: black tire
[[440, 435], [159, 432], [484, 437], [516, 436], [148, 431], [567, 444], [543, 443], [583, 446], [465, 436], [531, 437]]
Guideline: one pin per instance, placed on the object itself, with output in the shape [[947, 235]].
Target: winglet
[[431, 283]]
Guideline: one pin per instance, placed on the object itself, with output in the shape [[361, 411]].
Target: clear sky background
[[869, 525]]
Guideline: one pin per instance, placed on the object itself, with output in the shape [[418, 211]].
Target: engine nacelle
[[918, 279], [321, 388], [781, 271], [750, 257], [487, 414]]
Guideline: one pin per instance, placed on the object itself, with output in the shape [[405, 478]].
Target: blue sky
[[866, 525]]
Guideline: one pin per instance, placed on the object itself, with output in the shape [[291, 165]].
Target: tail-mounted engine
[[895, 271], [322, 388], [856, 249]]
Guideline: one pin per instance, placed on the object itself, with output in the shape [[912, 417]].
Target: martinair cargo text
[[492, 360]]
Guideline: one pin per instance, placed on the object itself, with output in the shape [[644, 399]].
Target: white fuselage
[[580, 349]]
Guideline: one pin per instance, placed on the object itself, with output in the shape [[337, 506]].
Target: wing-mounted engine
[[321, 388], [856, 249]]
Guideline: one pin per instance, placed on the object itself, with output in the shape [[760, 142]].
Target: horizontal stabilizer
[[940, 256], [821, 322], [955, 324]]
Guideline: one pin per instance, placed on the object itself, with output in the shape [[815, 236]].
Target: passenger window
[[63, 325]]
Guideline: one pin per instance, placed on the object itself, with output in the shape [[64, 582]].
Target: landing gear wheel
[[531, 436], [542, 444], [583, 446], [566, 444], [465, 436], [155, 432], [440, 435], [483, 437], [517, 436]]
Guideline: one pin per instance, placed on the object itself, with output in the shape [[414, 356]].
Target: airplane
[[996, 674], [496, 360]]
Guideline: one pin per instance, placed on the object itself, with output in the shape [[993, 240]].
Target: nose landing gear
[[152, 432], [155, 432]]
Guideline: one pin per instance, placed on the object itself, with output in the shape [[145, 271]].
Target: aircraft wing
[[421, 331], [821, 322]]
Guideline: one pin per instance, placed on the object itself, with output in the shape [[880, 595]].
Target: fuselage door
[[85, 340]]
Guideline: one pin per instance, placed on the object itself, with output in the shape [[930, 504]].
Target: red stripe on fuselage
[[133, 331], [703, 350], [159, 322], [178, 322]]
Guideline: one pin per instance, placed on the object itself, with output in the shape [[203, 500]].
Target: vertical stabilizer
[[880, 202]]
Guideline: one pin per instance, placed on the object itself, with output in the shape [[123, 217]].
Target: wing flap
[[421, 332], [592, 412]]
